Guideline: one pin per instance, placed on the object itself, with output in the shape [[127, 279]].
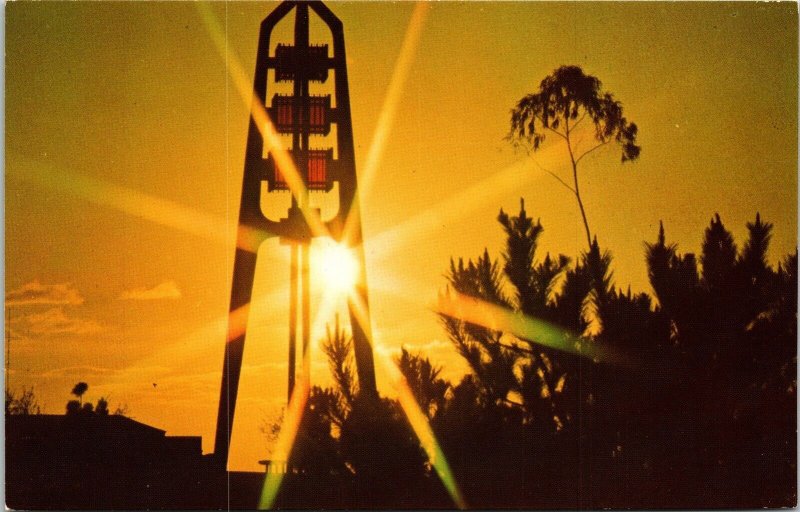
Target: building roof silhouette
[[88, 460]]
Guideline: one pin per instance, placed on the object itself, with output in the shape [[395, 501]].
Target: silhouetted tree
[[423, 379], [338, 347], [758, 279], [79, 389], [25, 403], [509, 364], [533, 283], [565, 99], [383, 451], [101, 409], [699, 410], [735, 356], [362, 447], [73, 407], [703, 400], [631, 323], [718, 257], [315, 450], [102, 406], [490, 357], [676, 283]]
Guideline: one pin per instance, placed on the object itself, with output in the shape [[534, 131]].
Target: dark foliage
[[699, 410], [359, 450], [682, 399], [565, 99], [24, 403], [79, 389]]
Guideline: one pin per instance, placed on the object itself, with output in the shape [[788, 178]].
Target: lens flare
[[335, 266], [394, 94], [416, 418], [137, 204], [419, 422], [492, 316], [458, 205], [261, 119], [343, 267], [283, 446]]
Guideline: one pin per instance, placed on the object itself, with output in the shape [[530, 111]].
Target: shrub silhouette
[[699, 412]]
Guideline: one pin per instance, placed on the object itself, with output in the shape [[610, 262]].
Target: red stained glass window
[[317, 167], [316, 170], [314, 111]]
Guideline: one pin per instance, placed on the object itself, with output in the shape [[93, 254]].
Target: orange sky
[[125, 135]]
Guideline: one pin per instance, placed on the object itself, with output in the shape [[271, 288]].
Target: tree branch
[[551, 173], [559, 180], [590, 150], [557, 133], [579, 121], [517, 348]]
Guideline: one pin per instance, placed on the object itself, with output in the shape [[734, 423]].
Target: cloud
[[425, 349], [38, 293], [165, 290], [434, 344], [78, 371], [54, 321]]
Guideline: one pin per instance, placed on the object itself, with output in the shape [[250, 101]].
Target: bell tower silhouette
[[297, 171]]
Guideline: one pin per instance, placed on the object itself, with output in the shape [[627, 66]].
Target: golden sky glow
[[125, 136]]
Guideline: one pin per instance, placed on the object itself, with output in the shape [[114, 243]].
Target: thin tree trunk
[[577, 190], [580, 205]]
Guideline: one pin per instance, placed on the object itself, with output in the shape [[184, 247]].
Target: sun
[[335, 266]]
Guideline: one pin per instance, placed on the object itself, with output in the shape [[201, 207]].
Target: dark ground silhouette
[[702, 414], [697, 408]]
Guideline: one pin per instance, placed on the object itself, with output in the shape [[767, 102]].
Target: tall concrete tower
[[297, 171]]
